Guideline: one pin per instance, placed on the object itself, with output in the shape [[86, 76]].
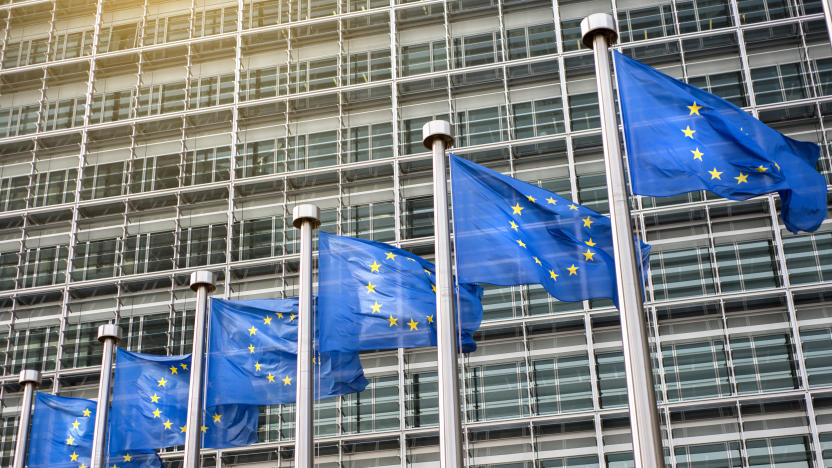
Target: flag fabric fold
[[682, 139], [509, 232], [252, 355], [150, 406], [62, 432], [372, 295]]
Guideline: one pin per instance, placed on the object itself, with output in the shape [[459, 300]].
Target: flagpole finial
[[598, 23], [306, 212], [109, 331], [29, 376], [203, 278], [437, 129]]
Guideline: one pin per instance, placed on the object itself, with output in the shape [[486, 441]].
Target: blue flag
[[61, 436], [150, 407], [372, 295], [509, 232], [252, 356], [681, 139]]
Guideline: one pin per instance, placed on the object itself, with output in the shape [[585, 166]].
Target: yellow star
[[521, 244], [252, 331], [517, 209], [287, 381], [393, 321], [390, 256], [375, 266], [251, 349], [203, 428], [694, 109], [514, 225], [531, 198], [573, 270], [590, 243], [174, 370], [688, 132], [413, 324], [87, 413], [292, 317], [128, 457], [183, 428], [761, 169], [537, 260], [715, 174], [82, 466], [157, 413], [167, 425], [551, 201], [433, 287], [777, 166], [697, 154], [371, 288], [74, 456], [114, 466], [217, 417], [70, 440], [376, 307], [587, 222], [588, 255], [267, 321], [257, 366], [430, 318], [742, 178], [154, 398], [279, 315], [75, 424], [183, 366], [573, 207], [425, 270], [162, 382], [270, 377], [553, 275]]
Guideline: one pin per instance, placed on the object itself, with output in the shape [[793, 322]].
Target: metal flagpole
[[306, 218], [598, 32], [109, 335], [202, 282], [436, 136], [29, 379]]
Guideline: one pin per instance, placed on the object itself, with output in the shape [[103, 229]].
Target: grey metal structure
[[203, 283], [30, 380], [109, 336], [438, 136], [305, 218], [598, 32]]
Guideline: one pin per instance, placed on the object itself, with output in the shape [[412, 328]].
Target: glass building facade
[[141, 140]]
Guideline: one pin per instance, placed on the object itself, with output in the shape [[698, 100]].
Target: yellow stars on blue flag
[[161, 382], [390, 256], [287, 381], [694, 109], [375, 266], [394, 322], [371, 288], [376, 307], [715, 174], [742, 178], [414, 325], [174, 370], [697, 154], [517, 209], [573, 270], [688, 132]]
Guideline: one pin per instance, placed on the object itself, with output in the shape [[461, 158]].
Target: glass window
[[696, 370], [422, 400], [611, 380], [763, 363], [563, 384]]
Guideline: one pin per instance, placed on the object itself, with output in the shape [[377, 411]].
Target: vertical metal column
[[827, 16], [598, 32], [306, 218], [109, 335], [29, 379], [202, 282], [436, 136]]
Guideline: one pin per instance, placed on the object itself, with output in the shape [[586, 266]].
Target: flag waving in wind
[[681, 139], [61, 436], [372, 295], [252, 356], [508, 232]]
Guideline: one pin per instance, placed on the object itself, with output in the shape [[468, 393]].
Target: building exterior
[[142, 140]]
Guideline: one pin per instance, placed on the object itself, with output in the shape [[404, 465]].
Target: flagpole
[[109, 335], [306, 218], [29, 379], [202, 282], [598, 33], [436, 136]]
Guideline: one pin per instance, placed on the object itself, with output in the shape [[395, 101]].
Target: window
[[497, 391], [422, 400], [94, 260], [562, 384], [696, 370], [764, 363], [374, 221]]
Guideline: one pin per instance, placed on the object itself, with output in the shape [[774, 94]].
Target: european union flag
[[150, 406], [372, 295], [61, 436], [509, 232], [252, 356], [681, 139]]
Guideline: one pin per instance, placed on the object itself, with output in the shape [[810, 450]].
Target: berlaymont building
[[141, 140]]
